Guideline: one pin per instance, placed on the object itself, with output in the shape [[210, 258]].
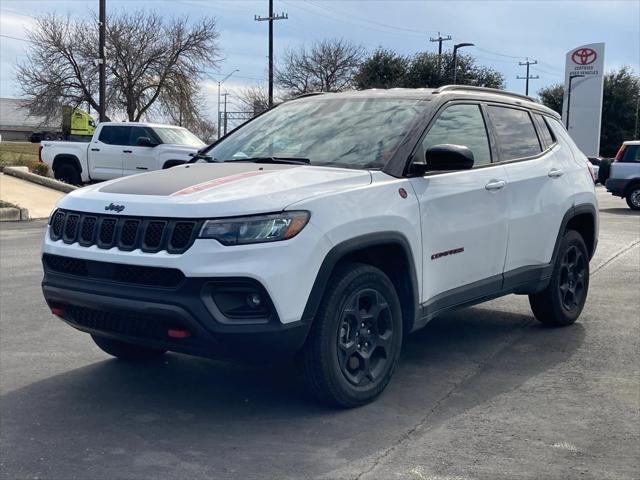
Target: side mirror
[[145, 142], [445, 157]]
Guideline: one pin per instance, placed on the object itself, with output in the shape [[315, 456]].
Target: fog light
[[254, 300]]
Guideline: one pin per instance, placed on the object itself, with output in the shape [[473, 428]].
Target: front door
[[136, 158], [463, 214]]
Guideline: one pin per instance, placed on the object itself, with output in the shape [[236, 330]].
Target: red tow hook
[[178, 333], [58, 311]]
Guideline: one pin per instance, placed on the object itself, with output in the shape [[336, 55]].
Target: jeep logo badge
[[115, 208]]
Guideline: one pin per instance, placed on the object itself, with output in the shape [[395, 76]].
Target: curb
[[39, 179], [12, 214]]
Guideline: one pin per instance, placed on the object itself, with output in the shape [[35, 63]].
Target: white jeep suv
[[330, 227]]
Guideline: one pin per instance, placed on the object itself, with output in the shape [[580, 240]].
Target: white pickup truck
[[118, 149]]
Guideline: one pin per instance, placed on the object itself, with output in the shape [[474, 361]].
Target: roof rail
[[308, 94], [447, 88]]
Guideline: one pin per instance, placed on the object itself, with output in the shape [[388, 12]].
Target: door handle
[[495, 185], [95, 149], [142, 168], [126, 151], [555, 173]]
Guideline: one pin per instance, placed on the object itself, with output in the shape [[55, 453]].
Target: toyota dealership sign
[[582, 105]]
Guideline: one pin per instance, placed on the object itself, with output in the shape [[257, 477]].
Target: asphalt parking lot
[[484, 393]]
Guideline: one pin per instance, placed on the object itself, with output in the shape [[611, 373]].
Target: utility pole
[[102, 72], [225, 94], [440, 39], [220, 82], [270, 19], [528, 77]]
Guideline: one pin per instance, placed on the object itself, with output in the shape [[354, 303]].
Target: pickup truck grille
[[125, 233]]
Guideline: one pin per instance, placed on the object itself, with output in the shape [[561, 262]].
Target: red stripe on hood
[[218, 181]]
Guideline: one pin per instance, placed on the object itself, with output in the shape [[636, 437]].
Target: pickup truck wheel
[[68, 174], [633, 197], [355, 340], [126, 351], [561, 303]]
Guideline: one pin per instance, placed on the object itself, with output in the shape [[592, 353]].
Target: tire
[[604, 171], [126, 351], [67, 173], [356, 337], [633, 197], [561, 303]]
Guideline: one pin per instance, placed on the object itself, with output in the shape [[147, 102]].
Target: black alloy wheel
[[365, 337]]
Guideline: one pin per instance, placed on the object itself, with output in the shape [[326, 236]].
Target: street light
[[571, 77], [220, 82], [455, 57]]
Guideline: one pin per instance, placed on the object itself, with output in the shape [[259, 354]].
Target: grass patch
[[23, 154], [4, 204]]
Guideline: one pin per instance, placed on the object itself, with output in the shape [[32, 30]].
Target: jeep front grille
[[124, 233]]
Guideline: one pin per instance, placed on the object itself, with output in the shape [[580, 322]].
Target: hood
[[214, 190]]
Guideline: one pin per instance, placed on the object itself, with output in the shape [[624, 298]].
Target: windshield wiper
[[292, 160]]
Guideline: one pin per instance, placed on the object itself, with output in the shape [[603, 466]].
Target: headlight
[[255, 229]]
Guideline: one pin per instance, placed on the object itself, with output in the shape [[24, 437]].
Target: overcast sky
[[505, 32]]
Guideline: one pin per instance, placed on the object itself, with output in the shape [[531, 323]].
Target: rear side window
[[631, 154], [545, 134], [514, 132], [461, 125], [115, 135]]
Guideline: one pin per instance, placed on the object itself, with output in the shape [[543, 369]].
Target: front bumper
[[145, 315]]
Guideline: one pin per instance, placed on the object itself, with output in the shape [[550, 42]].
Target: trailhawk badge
[[114, 208]]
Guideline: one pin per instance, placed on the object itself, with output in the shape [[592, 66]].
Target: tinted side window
[[547, 137], [631, 154], [115, 135], [515, 133], [461, 125], [137, 132]]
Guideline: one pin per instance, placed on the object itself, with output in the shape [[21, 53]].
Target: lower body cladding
[[227, 318]]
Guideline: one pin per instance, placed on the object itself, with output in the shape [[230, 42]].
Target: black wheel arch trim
[[173, 163], [354, 245], [67, 157], [584, 208]]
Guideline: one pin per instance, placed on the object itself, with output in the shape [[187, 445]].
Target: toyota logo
[[584, 56]]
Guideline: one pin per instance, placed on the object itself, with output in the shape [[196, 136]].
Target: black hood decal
[[181, 178]]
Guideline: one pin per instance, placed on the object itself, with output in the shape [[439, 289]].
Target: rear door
[[463, 214], [105, 153], [138, 159], [539, 192]]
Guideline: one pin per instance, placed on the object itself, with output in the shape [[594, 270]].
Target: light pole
[[220, 82], [571, 77], [455, 57]]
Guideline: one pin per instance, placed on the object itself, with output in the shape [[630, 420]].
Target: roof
[[13, 116], [140, 124], [465, 91]]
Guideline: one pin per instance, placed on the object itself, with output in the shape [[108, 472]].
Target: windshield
[[345, 132], [178, 136]]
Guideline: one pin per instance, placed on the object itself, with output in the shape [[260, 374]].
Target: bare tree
[[149, 61], [328, 66], [254, 100]]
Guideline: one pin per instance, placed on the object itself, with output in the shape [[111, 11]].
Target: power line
[[15, 38], [271, 18], [528, 77], [367, 20]]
